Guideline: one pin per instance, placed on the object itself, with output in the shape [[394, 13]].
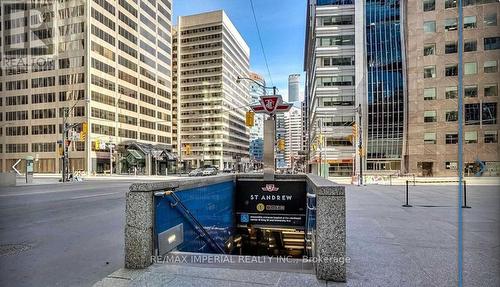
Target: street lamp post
[[269, 128], [360, 144], [65, 128]]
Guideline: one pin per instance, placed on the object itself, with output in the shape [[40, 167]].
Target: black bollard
[[465, 196], [406, 205]]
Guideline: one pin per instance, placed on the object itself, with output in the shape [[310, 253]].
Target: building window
[[430, 72], [429, 49], [470, 46], [429, 116], [16, 148], [490, 19], [450, 4], [490, 67], [430, 26], [470, 91], [451, 116], [337, 20], [429, 94], [450, 24], [341, 40], [470, 68], [491, 90], [489, 113], [451, 165], [451, 70], [492, 43], [470, 22], [450, 48], [451, 92], [472, 114], [470, 137], [429, 138], [451, 138], [429, 5], [490, 137]]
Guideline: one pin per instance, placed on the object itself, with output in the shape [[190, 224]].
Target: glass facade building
[[385, 85]]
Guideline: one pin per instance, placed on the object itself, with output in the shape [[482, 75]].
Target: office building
[[380, 85], [304, 144], [281, 134], [104, 63], [432, 56], [257, 131], [210, 55], [293, 123], [293, 88], [330, 87]]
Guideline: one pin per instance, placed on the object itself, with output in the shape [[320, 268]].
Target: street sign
[[271, 203], [271, 105]]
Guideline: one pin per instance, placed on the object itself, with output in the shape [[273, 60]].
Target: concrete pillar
[[269, 164], [138, 229], [330, 230]]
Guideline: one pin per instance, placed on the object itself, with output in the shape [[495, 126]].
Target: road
[[61, 234]]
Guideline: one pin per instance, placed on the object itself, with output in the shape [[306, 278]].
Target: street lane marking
[[94, 195]]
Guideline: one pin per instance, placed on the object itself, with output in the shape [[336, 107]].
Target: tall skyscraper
[[210, 54], [432, 55], [380, 84], [257, 131], [293, 88], [104, 63], [330, 87]]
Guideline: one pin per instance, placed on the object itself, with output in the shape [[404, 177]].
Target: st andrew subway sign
[[271, 105], [270, 203]]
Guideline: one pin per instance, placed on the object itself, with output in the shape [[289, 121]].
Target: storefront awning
[[135, 154], [168, 156]]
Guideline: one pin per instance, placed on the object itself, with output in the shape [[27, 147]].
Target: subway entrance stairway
[[299, 217]]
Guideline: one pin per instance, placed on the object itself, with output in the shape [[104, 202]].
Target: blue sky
[[282, 27]]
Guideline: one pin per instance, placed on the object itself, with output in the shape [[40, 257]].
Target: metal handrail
[[198, 227]]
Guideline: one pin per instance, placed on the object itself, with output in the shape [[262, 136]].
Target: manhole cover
[[13, 249]]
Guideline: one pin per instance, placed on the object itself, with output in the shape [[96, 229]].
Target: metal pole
[[64, 145], [360, 147], [406, 205], [110, 159], [465, 196], [460, 141]]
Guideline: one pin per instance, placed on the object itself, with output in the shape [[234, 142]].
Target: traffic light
[[281, 144], [188, 149], [361, 152], [354, 130], [85, 127], [249, 120], [84, 131], [97, 145]]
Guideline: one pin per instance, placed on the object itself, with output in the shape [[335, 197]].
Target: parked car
[[227, 170], [196, 172], [210, 171]]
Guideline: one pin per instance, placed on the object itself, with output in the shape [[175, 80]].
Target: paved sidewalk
[[388, 245]]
